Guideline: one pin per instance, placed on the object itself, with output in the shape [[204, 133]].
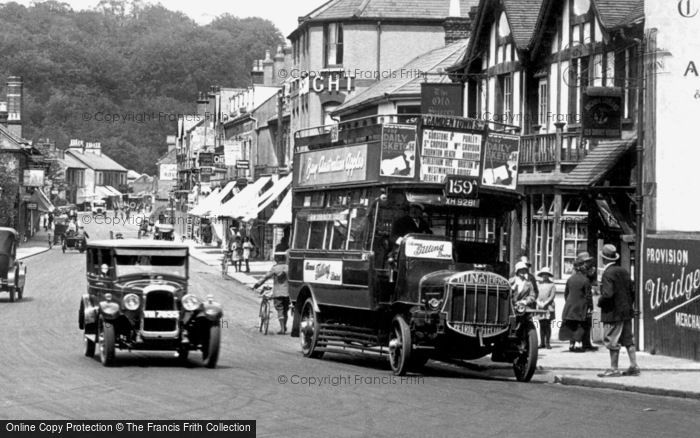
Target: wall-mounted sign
[[398, 157], [442, 99], [206, 159], [671, 296], [219, 160], [33, 178], [168, 172], [461, 187], [332, 166], [327, 82], [206, 170], [242, 164], [32, 206], [449, 153], [323, 271], [602, 112], [501, 160], [232, 151]]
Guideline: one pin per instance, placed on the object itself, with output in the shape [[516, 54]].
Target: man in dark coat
[[412, 223], [616, 304], [579, 301]]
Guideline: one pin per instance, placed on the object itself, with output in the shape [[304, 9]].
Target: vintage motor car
[[138, 299], [73, 240], [99, 207], [164, 228], [12, 271]]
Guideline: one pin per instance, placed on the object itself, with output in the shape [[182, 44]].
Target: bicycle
[[224, 263], [265, 307]]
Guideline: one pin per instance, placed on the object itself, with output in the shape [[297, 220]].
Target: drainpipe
[[379, 46], [255, 133], [639, 192]]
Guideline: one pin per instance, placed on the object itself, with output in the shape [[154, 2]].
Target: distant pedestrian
[[236, 252], [591, 273], [616, 304], [545, 301], [530, 277], [247, 248], [44, 221], [579, 302], [50, 231]]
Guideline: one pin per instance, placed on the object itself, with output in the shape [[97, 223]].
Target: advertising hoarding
[[398, 157], [332, 166]]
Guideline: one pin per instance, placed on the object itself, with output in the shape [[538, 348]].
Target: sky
[[283, 13]]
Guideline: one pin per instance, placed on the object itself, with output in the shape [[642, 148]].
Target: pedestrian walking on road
[[236, 252], [617, 310], [280, 289], [247, 248], [50, 228], [579, 302], [545, 301]]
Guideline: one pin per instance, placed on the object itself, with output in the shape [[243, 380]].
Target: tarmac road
[[43, 375]]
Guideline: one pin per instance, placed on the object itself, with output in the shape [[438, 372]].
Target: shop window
[[574, 234]]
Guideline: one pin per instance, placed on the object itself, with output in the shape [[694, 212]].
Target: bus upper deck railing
[[369, 129]]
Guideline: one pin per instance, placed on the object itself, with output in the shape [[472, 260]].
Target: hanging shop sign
[[398, 157], [442, 99], [602, 112], [671, 296]]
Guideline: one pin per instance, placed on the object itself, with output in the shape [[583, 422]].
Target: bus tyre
[[309, 330], [525, 363], [400, 346]]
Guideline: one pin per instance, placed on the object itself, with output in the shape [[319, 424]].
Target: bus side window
[[301, 233]]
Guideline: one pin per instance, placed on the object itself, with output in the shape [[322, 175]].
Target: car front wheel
[[525, 364], [107, 339], [212, 355]]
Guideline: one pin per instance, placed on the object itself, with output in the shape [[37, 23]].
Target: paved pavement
[[38, 244], [661, 375]]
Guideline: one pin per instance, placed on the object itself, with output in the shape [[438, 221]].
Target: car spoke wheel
[[107, 340], [400, 346], [212, 355], [525, 364], [309, 330]]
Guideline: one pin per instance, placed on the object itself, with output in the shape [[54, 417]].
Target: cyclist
[[280, 291]]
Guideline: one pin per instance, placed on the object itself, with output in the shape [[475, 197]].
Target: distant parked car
[[99, 208], [12, 271]]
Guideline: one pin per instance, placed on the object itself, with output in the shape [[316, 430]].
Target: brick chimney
[[257, 75], [456, 27], [268, 69], [279, 66], [14, 105], [76, 145]]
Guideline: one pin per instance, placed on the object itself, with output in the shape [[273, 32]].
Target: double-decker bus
[[400, 242]]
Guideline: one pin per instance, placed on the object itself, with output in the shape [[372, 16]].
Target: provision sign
[[333, 166], [398, 151], [671, 296], [501, 160]]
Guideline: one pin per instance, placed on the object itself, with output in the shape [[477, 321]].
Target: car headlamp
[[131, 302], [434, 303], [191, 302], [520, 308]]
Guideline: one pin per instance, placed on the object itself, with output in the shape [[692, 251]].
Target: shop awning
[[42, 202], [200, 208], [598, 163], [267, 198], [103, 192], [114, 191], [239, 205], [283, 213]]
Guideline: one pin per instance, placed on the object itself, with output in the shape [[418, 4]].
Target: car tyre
[[12, 294], [309, 330], [525, 363], [107, 338], [400, 346], [88, 346], [214, 342]]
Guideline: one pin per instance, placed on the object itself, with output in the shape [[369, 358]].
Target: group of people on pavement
[[616, 302]]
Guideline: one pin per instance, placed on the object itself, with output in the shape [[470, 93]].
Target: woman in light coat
[[545, 301]]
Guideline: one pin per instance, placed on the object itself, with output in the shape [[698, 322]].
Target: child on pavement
[[280, 291]]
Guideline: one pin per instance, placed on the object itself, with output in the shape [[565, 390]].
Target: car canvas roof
[[136, 244]]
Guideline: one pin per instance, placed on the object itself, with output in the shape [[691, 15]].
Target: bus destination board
[[449, 153]]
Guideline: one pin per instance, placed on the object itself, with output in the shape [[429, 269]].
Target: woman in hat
[[545, 301], [579, 300], [523, 291]]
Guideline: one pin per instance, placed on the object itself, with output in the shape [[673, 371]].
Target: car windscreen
[[151, 265]]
